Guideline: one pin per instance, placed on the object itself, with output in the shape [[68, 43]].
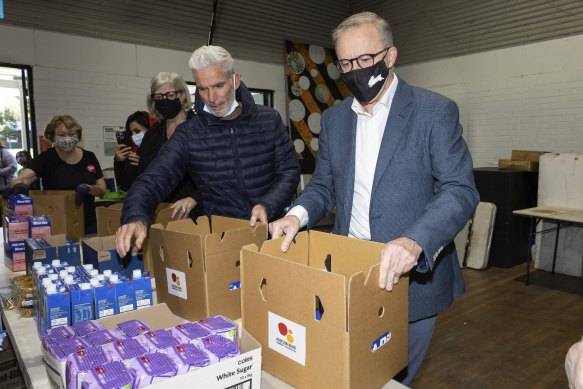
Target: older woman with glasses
[[170, 102]]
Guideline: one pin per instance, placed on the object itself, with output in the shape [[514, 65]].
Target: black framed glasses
[[168, 95], [364, 61]]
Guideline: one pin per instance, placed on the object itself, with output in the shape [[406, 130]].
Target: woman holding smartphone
[[126, 159]]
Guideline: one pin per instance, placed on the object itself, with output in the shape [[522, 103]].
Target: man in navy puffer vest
[[239, 154]]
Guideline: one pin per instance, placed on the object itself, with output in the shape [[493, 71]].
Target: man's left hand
[[397, 258], [258, 213]]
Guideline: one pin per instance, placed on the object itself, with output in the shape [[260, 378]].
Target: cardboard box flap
[[225, 241], [108, 219], [56, 240], [51, 192], [180, 272], [222, 224], [163, 216], [101, 243], [159, 316], [201, 227], [296, 252], [376, 315], [348, 256], [270, 270]]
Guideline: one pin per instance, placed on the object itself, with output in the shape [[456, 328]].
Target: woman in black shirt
[[66, 166]]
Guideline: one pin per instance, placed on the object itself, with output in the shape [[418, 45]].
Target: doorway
[[17, 120]]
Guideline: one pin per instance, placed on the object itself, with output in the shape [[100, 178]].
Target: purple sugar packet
[[160, 339], [190, 332], [52, 348], [78, 363], [70, 346], [153, 367], [104, 336], [187, 357], [220, 346], [133, 328], [85, 328], [220, 326], [129, 348], [109, 375], [59, 333]]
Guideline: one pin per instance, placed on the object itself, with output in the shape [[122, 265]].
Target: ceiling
[[256, 29]]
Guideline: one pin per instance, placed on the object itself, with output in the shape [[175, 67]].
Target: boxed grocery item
[[243, 370], [39, 226], [100, 252], [319, 313], [15, 228], [60, 207], [197, 271], [19, 205], [14, 256], [52, 247]]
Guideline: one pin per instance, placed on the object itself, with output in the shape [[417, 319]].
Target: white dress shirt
[[370, 129]]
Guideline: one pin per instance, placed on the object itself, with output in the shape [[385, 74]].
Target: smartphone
[[123, 138]]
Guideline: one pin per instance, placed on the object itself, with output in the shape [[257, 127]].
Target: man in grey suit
[[394, 163]]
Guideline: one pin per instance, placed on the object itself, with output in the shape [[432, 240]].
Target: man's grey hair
[[362, 18], [206, 56]]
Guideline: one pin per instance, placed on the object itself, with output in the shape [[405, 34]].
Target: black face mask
[[365, 84], [168, 108]]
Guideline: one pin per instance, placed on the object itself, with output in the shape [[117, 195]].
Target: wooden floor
[[503, 334]]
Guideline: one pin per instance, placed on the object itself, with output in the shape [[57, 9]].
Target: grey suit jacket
[[423, 187]]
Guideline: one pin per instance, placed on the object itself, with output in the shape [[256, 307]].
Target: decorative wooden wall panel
[[313, 84]]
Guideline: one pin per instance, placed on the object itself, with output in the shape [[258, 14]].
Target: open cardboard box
[[108, 221], [197, 267], [59, 206], [243, 370], [319, 328], [59, 249]]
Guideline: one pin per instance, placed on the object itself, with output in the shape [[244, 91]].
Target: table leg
[[529, 247], [556, 245]]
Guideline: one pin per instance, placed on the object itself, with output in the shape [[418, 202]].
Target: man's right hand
[[123, 240], [288, 226]]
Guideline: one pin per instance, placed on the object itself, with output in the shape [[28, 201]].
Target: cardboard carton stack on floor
[[197, 265], [319, 313], [523, 160]]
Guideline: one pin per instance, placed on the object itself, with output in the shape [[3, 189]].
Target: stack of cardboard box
[[522, 160]]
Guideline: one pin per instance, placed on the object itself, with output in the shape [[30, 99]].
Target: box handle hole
[[328, 263], [381, 311], [319, 308], [263, 289], [190, 261], [162, 253]]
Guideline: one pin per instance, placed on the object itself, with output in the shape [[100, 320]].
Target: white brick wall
[[526, 97], [101, 82]]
